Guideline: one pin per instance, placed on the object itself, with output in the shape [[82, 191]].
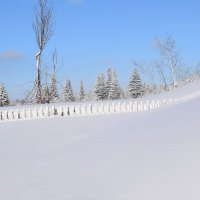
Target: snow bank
[[144, 155]]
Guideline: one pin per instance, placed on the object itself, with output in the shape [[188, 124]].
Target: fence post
[[102, 107], [147, 105], [130, 109], [55, 111], [141, 106], [68, 111], [79, 107], [42, 110], [153, 104], [108, 107], [158, 102], [24, 111], [1, 115], [48, 112], [12, 113], [119, 107], [18, 114], [7, 115], [136, 106], [36, 111], [62, 112], [113, 107]]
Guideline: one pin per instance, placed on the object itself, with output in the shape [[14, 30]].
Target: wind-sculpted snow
[[141, 155]]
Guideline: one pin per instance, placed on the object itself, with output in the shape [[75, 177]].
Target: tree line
[[106, 88]]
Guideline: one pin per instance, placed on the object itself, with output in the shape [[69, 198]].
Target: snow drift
[[146, 155]]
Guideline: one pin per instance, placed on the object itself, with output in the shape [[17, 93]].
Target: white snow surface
[[151, 155]]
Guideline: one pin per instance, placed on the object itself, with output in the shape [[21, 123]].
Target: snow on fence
[[78, 110]]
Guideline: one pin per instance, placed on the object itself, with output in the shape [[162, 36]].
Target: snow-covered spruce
[[53, 89], [4, 99], [82, 92], [46, 95], [100, 88], [136, 89], [67, 95], [114, 88]]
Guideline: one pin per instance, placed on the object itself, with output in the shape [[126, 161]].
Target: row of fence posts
[[90, 109]]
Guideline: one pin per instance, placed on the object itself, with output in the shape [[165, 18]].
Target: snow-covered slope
[[147, 155], [184, 92]]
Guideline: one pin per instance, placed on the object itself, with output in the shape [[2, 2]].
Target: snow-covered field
[[151, 155]]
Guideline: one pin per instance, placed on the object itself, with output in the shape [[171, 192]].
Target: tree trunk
[[38, 79]]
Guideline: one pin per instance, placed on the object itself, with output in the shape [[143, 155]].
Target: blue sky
[[91, 35]]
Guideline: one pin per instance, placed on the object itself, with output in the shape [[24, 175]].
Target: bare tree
[[147, 71], [159, 66], [167, 49], [53, 86], [43, 27]]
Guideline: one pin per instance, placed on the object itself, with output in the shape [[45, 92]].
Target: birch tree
[[159, 66], [43, 27], [167, 50]]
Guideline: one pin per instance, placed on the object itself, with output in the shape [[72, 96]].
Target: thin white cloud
[[10, 55]]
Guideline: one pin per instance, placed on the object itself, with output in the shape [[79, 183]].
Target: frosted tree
[[81, 92], [4, 99], [114, 89], [100, 88], [90, 95], [108, 82], [67, 95], [46, 94], [168, 52], [122, 93], [53, 86], [53, 89], [136, 89]]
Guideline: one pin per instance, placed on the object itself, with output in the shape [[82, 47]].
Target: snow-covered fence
[[78, 110]]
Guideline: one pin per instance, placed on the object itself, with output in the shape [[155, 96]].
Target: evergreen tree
[[122, 93], [100, 88], [108, 82], [112, 85], [90, 96], [4, 99], [82, 92], [46, 94], [68, 92], [53, 89], [114, 89], [136, 88], [37, 98]]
